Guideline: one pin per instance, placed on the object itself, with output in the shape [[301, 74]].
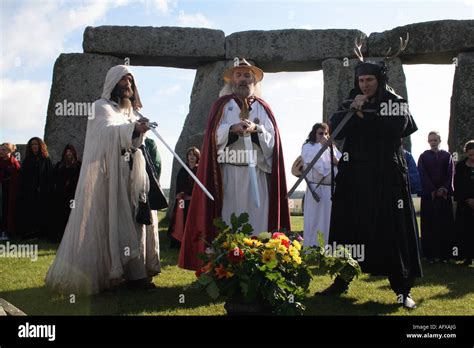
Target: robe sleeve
[[106, 124], [222, 133], [460, 185], [427, 186], [448, 184], [334, 121], [266, 138]]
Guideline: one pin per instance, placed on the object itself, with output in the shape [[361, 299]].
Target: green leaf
[[247, 229], [205, 279], [321, 239], [213, 290], [234, 221], [220, 224]]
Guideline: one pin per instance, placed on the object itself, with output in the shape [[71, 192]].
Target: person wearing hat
[[239, 112], [371, 205]]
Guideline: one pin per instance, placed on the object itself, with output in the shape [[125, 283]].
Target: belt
[[237, 164]]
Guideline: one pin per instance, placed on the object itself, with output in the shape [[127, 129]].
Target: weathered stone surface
[[77, 78], [339, 80], [161, 46], [292, 49], [461, 122], [2, 312], [207, 84], [436, 42], [9, 309]]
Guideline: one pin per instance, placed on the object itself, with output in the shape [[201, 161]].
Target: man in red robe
[[238, 113]]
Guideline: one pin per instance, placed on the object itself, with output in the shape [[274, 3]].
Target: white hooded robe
[[102, 242]]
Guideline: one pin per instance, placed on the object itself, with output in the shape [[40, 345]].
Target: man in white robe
[[238, 114], [239, 120], [103, 243]]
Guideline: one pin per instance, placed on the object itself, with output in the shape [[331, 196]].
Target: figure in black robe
[[36, 188], [436, 213], [372, 206], [66, 176], [464, 195]]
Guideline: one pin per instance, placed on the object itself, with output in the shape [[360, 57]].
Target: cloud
[[49, 24], [194, 20], [31, 116], [163, 6]]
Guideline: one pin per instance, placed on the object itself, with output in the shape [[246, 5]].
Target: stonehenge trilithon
[[78, 77]]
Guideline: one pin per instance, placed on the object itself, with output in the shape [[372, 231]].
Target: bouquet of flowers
[[269, 269]]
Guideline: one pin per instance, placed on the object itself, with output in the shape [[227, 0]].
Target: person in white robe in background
[[317, 215]]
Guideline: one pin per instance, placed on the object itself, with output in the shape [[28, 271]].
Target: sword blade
[[320, 152], [252, 171], [208, 194]]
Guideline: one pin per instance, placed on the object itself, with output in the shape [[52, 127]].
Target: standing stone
[[339, 80], [207, 84], [434, 42], [77, 78], [461, 122], [292, 49], [163, 46]]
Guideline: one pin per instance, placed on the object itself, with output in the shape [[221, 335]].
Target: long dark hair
[[312, 135], [43, 149]]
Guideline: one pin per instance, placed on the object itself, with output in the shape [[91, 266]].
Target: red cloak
[[202, 211], [10, 168]]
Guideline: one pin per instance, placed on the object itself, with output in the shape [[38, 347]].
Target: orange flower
[[222, 273], [207, 267]]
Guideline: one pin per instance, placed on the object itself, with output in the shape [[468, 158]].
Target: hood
[[114, 75]]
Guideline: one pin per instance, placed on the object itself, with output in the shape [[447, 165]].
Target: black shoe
[[337, 288]]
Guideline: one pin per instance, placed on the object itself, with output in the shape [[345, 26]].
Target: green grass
[[446, 289]]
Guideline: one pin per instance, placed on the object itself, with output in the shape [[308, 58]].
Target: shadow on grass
[[346, 305], [124, 301]]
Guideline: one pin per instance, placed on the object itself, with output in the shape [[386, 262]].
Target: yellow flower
[[293, 251], [282, 249], [297, 245], [248, 241], [297, 259], [268, 255], [225, 245], [286, 258], [273, 243], [256, 242]]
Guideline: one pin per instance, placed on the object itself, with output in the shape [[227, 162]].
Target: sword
[[252, 170], [152, 126], [321, 151], [326, 145]]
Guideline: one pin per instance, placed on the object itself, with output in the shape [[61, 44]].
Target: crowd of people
[[36, 196], [104, 213]]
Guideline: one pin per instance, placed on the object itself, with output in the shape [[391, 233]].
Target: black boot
[[339, 287]]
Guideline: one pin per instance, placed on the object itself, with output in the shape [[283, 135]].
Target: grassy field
[[446, 289]]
